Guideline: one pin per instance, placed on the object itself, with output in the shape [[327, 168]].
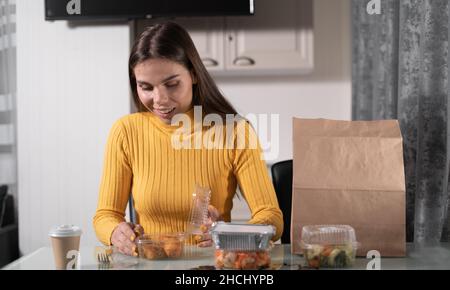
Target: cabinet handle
[[209, 62], [243, 61]]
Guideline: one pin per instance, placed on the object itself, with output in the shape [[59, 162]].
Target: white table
[[418, 257]]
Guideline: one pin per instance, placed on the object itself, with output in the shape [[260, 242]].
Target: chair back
[[282, 182]]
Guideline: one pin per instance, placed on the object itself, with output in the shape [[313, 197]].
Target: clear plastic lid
[[328, 235]]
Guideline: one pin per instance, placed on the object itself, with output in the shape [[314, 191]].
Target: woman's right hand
[[123, 237], [213, 216]]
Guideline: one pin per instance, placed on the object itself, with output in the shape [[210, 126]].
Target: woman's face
[[164, 87]]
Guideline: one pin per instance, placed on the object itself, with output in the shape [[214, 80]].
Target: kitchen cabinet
[[277, 39], [208, 35]]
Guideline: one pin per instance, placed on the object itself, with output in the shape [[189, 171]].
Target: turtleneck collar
[[168, 127]]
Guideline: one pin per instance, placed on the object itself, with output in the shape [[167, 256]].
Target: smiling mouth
[[165, 111]]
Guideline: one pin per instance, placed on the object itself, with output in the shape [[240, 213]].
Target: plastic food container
[[161, 246], [329, 246], [242, 246], [199, 214], [242, 260]]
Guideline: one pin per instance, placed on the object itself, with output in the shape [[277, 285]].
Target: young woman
[[168, 78]]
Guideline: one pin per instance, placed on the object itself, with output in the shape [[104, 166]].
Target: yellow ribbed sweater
[[141, 160]]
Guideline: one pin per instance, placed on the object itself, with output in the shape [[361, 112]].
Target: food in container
[[329, 246], [161, 246], [242, 260], [199, 214], [242, 246]]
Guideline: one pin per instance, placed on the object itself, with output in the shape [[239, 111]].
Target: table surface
[[418, 257]]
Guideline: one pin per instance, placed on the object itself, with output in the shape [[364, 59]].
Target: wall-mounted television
[[135, 9]]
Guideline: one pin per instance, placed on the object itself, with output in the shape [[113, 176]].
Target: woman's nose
[[159, 96]]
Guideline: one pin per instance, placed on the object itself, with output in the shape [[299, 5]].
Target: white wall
[[72, 85]]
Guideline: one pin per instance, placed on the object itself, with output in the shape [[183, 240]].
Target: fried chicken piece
[[153, 251], [172, 246]]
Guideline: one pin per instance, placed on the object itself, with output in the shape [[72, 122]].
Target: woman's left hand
[[213, 216]]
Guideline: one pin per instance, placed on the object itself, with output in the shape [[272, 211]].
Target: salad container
[[329, 246]]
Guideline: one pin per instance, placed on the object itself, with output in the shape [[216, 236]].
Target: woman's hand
[[213, 216], [123, 237]]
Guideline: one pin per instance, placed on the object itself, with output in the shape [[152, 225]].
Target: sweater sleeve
[[254, 182], [115, 185]]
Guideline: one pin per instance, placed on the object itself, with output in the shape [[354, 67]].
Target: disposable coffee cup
[[66, 245]]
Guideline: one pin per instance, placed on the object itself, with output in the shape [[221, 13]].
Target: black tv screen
[[134, 9]]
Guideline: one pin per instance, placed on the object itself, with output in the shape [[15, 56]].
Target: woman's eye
[[148, 89], [172, 84]]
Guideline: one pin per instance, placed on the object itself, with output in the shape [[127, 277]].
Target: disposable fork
[[103, 259]]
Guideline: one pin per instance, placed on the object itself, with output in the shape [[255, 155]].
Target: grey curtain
[[400, 69], [8, 156]]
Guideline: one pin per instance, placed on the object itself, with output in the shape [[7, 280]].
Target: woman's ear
[[194, 77]]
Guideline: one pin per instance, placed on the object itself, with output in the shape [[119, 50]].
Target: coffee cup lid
[[65, 231]]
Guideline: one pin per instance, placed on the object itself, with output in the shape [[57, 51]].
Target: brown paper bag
[[350, 172]]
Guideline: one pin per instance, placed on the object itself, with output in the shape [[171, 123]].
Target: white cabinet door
[[279, 37], [208, 37]]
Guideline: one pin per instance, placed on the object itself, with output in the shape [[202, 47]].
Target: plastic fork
[[103, 260]]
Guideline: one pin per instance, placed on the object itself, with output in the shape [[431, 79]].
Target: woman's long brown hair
[[171, 41]]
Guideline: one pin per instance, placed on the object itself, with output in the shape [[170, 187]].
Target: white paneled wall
[[72, 86]]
